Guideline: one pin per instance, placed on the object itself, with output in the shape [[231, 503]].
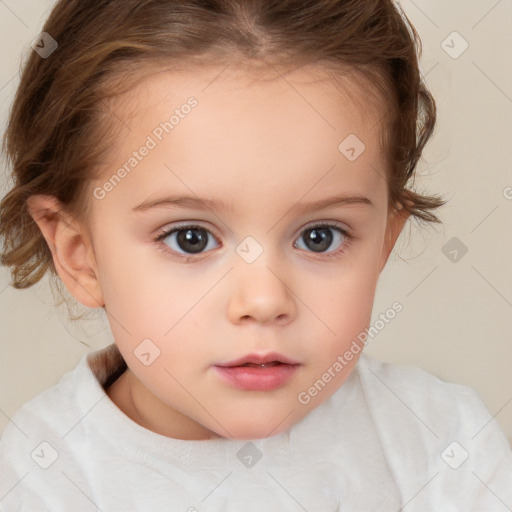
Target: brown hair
[[55, 136]]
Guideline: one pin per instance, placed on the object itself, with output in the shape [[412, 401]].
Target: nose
[[261, 295]]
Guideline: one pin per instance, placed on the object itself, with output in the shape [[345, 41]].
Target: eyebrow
[[219, 205]]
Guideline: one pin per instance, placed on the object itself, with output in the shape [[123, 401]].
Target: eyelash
[[162, 235]]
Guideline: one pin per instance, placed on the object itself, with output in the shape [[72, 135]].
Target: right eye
[[186, 239]]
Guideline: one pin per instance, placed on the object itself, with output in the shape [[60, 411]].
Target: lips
[[257, 372], [265, 365], [262, 360]]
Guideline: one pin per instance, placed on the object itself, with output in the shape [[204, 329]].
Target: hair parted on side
[[56, 136]]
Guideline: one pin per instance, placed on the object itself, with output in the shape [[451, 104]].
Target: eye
[[187, 239], [320, 237]]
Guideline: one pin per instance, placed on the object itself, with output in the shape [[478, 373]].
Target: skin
[[263, 146]]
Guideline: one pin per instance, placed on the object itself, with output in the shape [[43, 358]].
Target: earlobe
[[71, 249], [396, 222]]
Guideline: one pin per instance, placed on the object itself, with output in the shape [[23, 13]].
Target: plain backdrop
[[454, 281]]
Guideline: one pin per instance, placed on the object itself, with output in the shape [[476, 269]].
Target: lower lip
[[251, 378]]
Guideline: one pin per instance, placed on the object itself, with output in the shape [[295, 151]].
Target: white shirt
[[391, 438]]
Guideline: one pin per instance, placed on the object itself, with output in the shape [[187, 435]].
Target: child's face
[[266, 150]]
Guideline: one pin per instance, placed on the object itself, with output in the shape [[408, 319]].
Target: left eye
[[319, 238]]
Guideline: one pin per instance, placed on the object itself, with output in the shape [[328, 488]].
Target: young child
[[227, 179]]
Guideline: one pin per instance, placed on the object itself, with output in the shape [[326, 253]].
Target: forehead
[[248, 127], [312, 89]]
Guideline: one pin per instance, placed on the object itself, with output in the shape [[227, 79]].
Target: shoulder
[[57, 408], [50, 413], [28, 446], [440, 427], [429, 403], [411, 385], [48, 407], [46, 431]]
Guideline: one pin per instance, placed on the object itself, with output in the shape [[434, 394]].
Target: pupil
[[321, 238], [192, 240]]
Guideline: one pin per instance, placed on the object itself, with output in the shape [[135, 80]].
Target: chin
[[248, 428], [251, 433]]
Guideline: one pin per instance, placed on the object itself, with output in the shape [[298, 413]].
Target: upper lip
[[259, 359]]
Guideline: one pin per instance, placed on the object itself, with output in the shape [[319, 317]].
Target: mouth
[[261, 360], [256, 372], [265, 365]]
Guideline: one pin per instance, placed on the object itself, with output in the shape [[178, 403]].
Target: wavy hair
[[56, 133]]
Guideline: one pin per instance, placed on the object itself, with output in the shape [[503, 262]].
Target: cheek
[[132, 292], [346, 298], [151, 302], [345, 312], [342, 307]]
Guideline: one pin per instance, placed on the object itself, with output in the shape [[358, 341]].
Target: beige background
[[457, 316]]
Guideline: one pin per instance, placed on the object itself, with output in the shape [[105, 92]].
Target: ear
[[71, 249], [395, 224]]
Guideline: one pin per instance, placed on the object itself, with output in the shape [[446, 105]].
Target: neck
[[136, 401]]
